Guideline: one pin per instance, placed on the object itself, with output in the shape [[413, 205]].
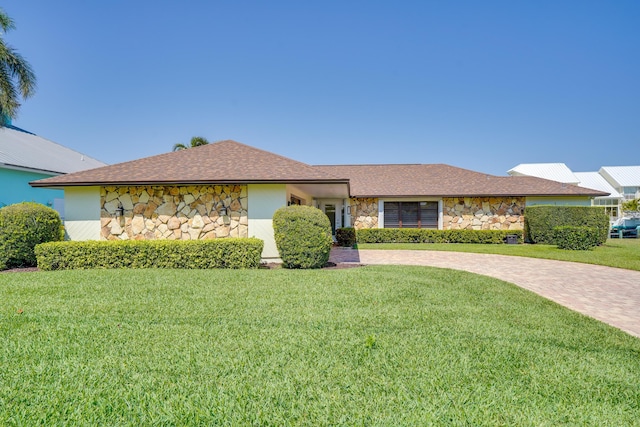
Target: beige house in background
[[228, 189]]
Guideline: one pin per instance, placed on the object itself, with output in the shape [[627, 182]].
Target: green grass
[[378, 345], [621, 253]]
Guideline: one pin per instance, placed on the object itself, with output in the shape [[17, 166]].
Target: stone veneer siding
[[471, 213], [364, 213], [173, 212], [483, 213]]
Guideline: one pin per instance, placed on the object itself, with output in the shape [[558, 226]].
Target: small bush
[[423, 235], [303, 236], [346, 237], [540, 221], [22, 227], [189, 254], [576, 238]]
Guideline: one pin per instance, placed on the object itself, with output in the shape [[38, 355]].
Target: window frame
[[420, 211]]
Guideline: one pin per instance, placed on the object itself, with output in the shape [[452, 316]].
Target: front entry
[[333, 210]]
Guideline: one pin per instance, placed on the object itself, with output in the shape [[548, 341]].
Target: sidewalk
[[611, 295]]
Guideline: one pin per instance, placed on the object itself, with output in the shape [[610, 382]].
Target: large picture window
[[410, 214]]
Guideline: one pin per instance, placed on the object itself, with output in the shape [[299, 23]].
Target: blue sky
[[483, 85]]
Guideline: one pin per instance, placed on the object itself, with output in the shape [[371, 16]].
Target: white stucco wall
[[264, 200], [82, 213], [297, 192]]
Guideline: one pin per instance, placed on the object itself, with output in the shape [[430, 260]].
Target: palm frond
[[6, 23], [17, 79], [197, 141]]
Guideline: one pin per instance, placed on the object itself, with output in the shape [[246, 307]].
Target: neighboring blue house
[[26, 157]]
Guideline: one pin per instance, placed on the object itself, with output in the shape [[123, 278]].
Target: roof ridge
[[19, 129], [379, 164], [261, 150]]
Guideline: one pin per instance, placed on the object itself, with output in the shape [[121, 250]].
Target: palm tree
[[196, 141], [16, 76]]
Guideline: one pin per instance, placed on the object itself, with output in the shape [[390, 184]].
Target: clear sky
[[483, 85]]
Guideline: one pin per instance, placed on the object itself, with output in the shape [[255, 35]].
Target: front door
[[333, 210], [330, 211]]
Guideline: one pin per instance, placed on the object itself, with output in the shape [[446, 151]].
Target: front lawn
[[377, 345], [621, 253]]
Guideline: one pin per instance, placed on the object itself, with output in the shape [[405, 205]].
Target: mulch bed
[[20, 270], [328, 266], [270, 266]]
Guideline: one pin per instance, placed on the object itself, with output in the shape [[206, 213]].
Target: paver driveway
[[611, 295]]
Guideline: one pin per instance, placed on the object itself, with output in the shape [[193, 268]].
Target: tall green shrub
[[539, 221], [22, 227], [303, 236]]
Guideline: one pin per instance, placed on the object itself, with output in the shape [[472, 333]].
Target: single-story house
[[228, 189], [25, 157]]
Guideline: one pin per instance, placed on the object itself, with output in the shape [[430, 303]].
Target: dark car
[[627, 226]]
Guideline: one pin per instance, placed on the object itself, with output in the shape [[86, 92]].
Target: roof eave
[[42, 183], [381, 196], [30, 169]]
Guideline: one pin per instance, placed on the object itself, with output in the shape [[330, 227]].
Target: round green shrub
[[22, 227], [303, 236], [346, 237]]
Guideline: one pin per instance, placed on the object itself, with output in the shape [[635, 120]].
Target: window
[[610, 206], [630, 192], [411, 215], [295, 200]]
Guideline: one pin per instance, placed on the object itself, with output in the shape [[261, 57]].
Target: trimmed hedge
[[190, 254], [576, 238], [346, 236], [540, 221], [303, 236], [426, 235], [22, 227]]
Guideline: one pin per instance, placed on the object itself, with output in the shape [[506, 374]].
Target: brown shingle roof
[[225, 161], [444, 180], [233, 162]]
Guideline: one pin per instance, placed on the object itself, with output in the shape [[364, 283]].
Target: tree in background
[[16, 76], [631, 205], [196, 141]]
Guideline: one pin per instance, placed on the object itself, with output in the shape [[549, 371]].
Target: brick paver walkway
[[611, 295]]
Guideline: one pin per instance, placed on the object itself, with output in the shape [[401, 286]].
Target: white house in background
[[621, 182], [26, 157], [625, 179], [612, 202], [553, 171]]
